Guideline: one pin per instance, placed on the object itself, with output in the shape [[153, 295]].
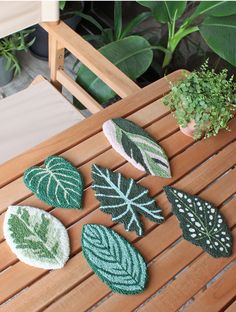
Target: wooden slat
[[85, 129], [56, 58], [92, 58], [216, 297], [232, 307], [119, 229], [75, 89]]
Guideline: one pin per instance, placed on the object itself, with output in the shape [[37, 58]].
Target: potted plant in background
[[9, 64], [124, 47], [68, 13], [203, 102]]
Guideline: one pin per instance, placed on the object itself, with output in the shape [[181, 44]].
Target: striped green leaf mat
[[36, 237], [58, 183], [124, 199], [137, 147], [116, 262], [201, 223]]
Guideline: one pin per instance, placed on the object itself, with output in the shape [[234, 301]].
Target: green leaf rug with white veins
[[114, 259], [58, 183], [201, 223], [124, 199], [137, 147], [36, 237]]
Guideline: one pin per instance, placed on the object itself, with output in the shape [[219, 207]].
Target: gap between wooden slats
[[232, 307], [14, 168], [93, 147], [217, 296], [128, 234]]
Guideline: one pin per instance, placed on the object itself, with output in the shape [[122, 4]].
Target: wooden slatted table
[[180, 273]]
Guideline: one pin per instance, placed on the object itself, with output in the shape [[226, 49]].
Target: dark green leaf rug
[[36, 237], [137, 147], [114, 259], [124, 199], [58, 183], [201, 223]]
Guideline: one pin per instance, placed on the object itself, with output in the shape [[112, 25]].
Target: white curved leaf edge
[[109, 131], [59, 232]]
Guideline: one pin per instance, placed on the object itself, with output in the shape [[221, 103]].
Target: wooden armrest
[[62, 36]]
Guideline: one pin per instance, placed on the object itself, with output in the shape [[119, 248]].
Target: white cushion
[[32, 116]]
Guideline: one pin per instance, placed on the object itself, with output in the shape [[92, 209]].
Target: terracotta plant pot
[[189, 130]]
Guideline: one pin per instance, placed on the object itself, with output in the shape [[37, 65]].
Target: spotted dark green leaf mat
[[137, 147], [36, 237], [201, 223], [116, 262], [124, 199], [58, 183]]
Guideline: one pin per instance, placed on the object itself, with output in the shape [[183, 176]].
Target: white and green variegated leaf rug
[[124, 199], [114, 259], [201, 223], [36, 237], [58, 183], [137, 147]]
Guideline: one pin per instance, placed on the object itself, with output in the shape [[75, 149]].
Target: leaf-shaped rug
[[124, 199], [137, 147], [36, 237], [201, 223], [114, 259], [58, 183]]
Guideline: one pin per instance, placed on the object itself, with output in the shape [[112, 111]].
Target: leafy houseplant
[[9, 64], [203, 102], [130, 52], [215, 20]]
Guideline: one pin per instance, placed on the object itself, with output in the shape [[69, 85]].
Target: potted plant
[[203, 102], [9, 64], [68, 13]]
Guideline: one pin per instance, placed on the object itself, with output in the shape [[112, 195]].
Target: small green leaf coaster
[[201, 223], [116, 262], [137, 147], [58, 183], [36, 237], [124, 199]]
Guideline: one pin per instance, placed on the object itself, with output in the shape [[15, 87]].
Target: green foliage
[[62, 5], [206, 97], [133, 55], [12, 43], [217, 30]]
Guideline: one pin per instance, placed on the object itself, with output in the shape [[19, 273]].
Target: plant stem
[[174, 40]]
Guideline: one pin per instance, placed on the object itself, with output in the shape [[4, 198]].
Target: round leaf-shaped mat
[[58, 183], [36, 237]]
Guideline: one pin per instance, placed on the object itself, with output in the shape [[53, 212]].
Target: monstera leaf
[[137, 146], [36, 237], [114, 260], [58, 183], [201, 223], [124, 199], [132, 55]]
